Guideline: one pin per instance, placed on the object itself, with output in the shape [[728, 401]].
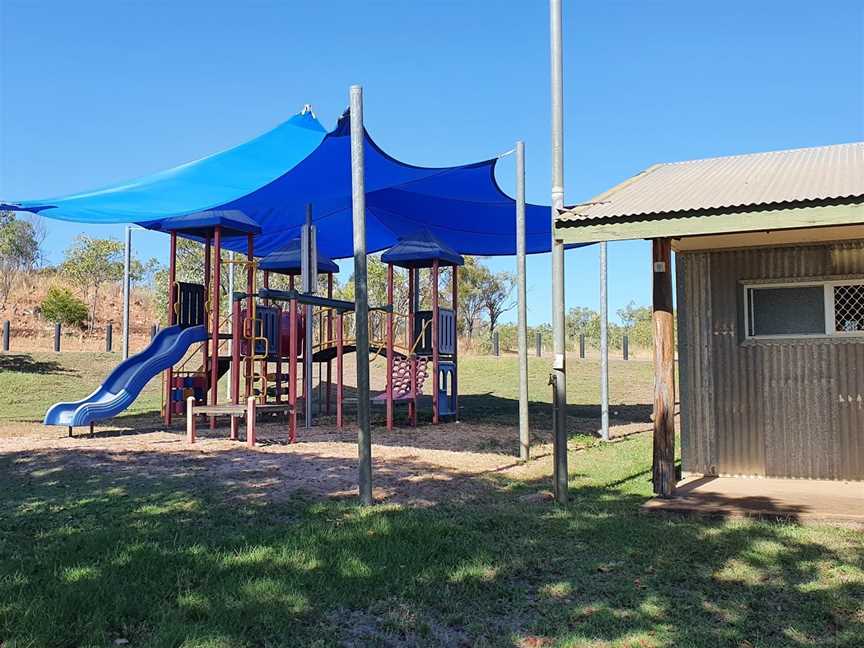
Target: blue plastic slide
[[127, 380]]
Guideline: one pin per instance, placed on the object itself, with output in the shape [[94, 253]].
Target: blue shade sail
[[196, 186], [272, 178]]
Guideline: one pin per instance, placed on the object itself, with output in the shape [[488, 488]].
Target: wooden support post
[[190, 419], [172, 280], [250, 421], [435, 335], [389, 384], [340, 317], [292, 371], [664, 370]]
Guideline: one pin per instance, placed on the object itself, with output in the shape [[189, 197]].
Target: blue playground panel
[[447, 389]]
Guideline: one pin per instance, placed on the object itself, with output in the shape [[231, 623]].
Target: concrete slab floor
[[797, 500]]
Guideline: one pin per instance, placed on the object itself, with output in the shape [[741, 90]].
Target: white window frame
[[828, 288]]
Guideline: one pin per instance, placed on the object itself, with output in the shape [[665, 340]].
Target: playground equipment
[[430, 333], [127, 380], [278, 335]]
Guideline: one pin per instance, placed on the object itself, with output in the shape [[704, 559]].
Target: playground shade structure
[[127, 380], [272, 178]]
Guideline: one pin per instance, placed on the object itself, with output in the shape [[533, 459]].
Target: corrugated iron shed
[[738, 182]]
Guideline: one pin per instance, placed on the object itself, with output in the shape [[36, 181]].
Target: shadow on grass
[[189, 548], [24, 363], [486, 424]]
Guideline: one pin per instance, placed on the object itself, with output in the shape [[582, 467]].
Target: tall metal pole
[[231, 323], [310, 285], [559, 363], [361, 299], [127, 264], [604, 346], [524, 438]]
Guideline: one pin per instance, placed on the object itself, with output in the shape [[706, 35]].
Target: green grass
[[489, 390], [31, 382], [89, 555]]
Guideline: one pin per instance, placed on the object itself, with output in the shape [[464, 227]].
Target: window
[[821, 308]]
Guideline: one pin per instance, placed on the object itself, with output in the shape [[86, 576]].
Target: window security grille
[[849, 308]]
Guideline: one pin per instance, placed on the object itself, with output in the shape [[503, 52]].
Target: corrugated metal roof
[[738, 181]]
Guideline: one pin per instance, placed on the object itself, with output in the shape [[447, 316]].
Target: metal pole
[[5, 336], [559, 363], [57, 337], [109, 337], [172, 279], [539, 343], [228, 385], [361, 308], [214, 331], [436, 352], [524, 439], [604, 346], [127, 264], [309, 275]]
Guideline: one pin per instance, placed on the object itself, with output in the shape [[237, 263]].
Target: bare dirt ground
[[420, 466]]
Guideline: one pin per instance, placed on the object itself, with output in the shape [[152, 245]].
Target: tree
[[19, 250], [90, 263], [582, 321], [637, 322], [60, 305], [495, 293], [472, 276]]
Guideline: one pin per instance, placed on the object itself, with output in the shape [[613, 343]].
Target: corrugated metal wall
[[779, 408]]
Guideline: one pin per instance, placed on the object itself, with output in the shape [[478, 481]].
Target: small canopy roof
[[287, 261], [274, 177], [420, 250], [233, 222]]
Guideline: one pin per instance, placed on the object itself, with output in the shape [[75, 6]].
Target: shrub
[[60, 305]]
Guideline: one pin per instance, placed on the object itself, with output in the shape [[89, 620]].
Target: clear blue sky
[[96, 92]]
